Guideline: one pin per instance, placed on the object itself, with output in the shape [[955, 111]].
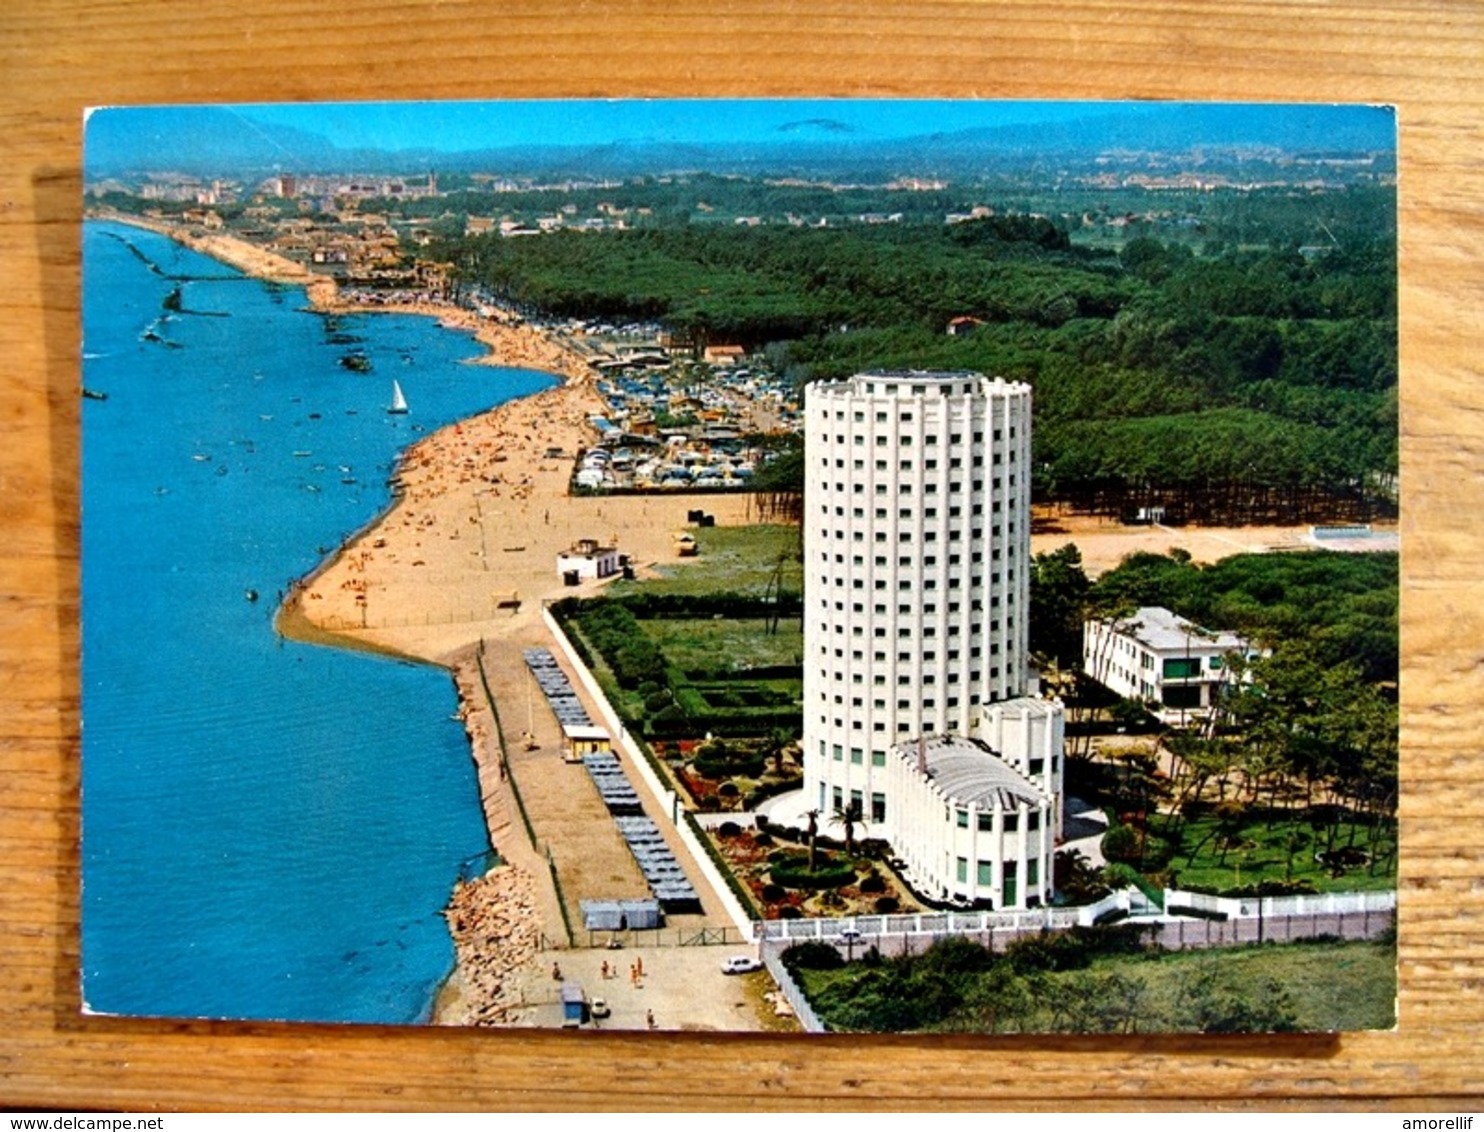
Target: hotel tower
[[916, 597]]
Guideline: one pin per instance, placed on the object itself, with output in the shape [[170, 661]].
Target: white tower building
[[916, 591]]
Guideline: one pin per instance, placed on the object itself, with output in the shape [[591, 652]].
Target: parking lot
[[683, 987]]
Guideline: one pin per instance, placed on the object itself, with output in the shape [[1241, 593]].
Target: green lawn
[[696, 645], [740, 559], [1308, 987], [1331, 986], [1261, 854], [715, 702]]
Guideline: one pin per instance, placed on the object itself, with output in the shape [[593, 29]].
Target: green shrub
[[1271, 888], [812, 955], [613, 632], [690, 700], [1121, 843], [1124, 844], [671, 712], [1120, 875], [792, 871], [957, 955], [719, 759], [1074, 949], [1157, 853]]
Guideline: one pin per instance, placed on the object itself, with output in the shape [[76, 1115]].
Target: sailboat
[[399, 402]]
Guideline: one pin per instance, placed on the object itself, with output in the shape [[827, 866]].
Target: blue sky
[[458, 126], [288, 135]]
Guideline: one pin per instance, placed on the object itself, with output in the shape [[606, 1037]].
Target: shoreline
[[235, 252], [478, 513], [495, 920]]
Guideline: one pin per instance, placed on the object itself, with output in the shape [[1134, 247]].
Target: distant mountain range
[[213, 141]]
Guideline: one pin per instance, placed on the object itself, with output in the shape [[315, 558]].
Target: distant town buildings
[[1172, 665], [917, 572]]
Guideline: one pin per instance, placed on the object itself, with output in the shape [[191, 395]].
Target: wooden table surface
[[56, 58]]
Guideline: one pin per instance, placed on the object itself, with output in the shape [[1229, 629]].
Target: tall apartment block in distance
[[916, 590]]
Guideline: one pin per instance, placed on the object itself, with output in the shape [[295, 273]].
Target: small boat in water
[[399, 402]]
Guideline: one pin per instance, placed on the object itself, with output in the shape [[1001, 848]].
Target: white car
[[740, 965], [598, 1008]]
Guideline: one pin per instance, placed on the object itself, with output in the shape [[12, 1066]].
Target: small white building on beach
[[587, 559]]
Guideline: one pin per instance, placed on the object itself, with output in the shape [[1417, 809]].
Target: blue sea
[[270, 829]]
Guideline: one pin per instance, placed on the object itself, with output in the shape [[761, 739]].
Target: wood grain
[[56, 58]]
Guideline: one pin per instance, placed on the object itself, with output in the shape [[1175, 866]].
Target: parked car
[[598, 1008], [740, 965]]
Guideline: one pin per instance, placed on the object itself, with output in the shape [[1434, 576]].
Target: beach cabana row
[[666, 879], [621, 915], [613, 784], [558, 690]]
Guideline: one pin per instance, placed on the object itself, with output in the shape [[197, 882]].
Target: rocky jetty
[[495, 929]]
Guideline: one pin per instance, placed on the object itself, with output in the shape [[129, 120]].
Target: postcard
[[781, 565]]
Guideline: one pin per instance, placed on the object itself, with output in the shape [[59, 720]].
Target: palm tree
[[813, 816], [849, 816]]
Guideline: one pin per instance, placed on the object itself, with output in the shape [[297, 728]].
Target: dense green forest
[[1224, 380], [1341, 606], [1307, 745], [1229, 355]]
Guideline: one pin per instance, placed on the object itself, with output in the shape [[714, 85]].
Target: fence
[[1234, 907], [791, 991], [334, 622], [727, 936], [668, 801], [933, 924], [1347, 915], [1178, 935], [520, 804]]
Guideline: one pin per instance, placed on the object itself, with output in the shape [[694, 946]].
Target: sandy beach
[[460, 562], [457, 568], [244, 256]]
